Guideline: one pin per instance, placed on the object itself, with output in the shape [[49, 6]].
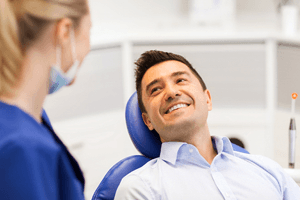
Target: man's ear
[[208, 100], [147, 121]]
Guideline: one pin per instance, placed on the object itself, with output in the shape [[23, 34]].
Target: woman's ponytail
[[10, 48], [21, 23]]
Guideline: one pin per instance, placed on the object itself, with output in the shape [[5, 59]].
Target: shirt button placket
[[227, 195], [221, 184]]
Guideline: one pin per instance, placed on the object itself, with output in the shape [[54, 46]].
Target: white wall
[[154, 11], [117, 17], [256, 6], [136, 11]]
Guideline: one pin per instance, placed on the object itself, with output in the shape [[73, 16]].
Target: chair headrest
[[147, 142]]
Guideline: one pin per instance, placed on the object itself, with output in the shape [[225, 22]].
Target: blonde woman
[[42, 44]]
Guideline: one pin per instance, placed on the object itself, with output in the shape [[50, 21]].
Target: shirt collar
[[222, 144], [170, 150]]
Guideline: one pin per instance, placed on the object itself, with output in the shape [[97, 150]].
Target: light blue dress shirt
[[182, 173]]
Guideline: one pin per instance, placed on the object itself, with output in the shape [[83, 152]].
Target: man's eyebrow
[[180, 73], [160, 79]]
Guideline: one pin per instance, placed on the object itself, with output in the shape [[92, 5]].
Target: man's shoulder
[[257, 159], [148, 169], [263, 162], [141, 183], [148, 174], [288, 186]]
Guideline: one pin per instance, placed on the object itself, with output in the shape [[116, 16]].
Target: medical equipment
[[292, 133]]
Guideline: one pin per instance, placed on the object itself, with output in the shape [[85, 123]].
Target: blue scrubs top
[[34, 163]]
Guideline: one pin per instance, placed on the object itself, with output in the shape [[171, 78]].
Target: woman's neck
[[32, 87]]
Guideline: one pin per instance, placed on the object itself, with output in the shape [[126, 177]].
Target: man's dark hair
[[151, 58]]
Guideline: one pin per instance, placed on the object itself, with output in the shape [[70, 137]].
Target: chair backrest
[[147, 143], [109, 184]]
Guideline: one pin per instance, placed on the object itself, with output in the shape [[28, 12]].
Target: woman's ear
[[62, 32], [147, 121]]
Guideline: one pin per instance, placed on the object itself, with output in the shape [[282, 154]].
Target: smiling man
[[175, 102]]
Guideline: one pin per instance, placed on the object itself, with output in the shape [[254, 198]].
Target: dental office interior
[[247, 51]]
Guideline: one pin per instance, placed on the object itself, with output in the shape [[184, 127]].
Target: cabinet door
[[97, 89], [234, 73]]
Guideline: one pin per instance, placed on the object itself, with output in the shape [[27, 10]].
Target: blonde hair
[[21, 23]]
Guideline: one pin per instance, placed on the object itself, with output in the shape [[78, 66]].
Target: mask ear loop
[[58, 56], [73, 70]]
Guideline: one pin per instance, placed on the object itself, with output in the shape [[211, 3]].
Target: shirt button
[[227, 195], [191, 150]]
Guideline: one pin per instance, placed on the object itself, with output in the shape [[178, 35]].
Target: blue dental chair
[[147, 143]]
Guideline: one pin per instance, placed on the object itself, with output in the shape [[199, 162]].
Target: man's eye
[[154, 90], [180, 80]]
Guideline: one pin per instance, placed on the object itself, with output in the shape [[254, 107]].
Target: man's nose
[[171, 92]]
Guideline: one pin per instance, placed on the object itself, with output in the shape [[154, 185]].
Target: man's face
[[174, 99]]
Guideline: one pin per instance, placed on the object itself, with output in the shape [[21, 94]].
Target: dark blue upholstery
[[147, 142], [108, 186]]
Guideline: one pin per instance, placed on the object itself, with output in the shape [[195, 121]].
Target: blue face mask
[[58, 78]]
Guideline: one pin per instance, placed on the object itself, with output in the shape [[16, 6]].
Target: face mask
[[58, 78]]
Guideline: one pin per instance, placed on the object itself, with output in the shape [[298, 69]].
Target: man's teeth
[[176, 107]]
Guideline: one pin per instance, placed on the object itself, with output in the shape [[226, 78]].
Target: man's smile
[[176, 107]]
